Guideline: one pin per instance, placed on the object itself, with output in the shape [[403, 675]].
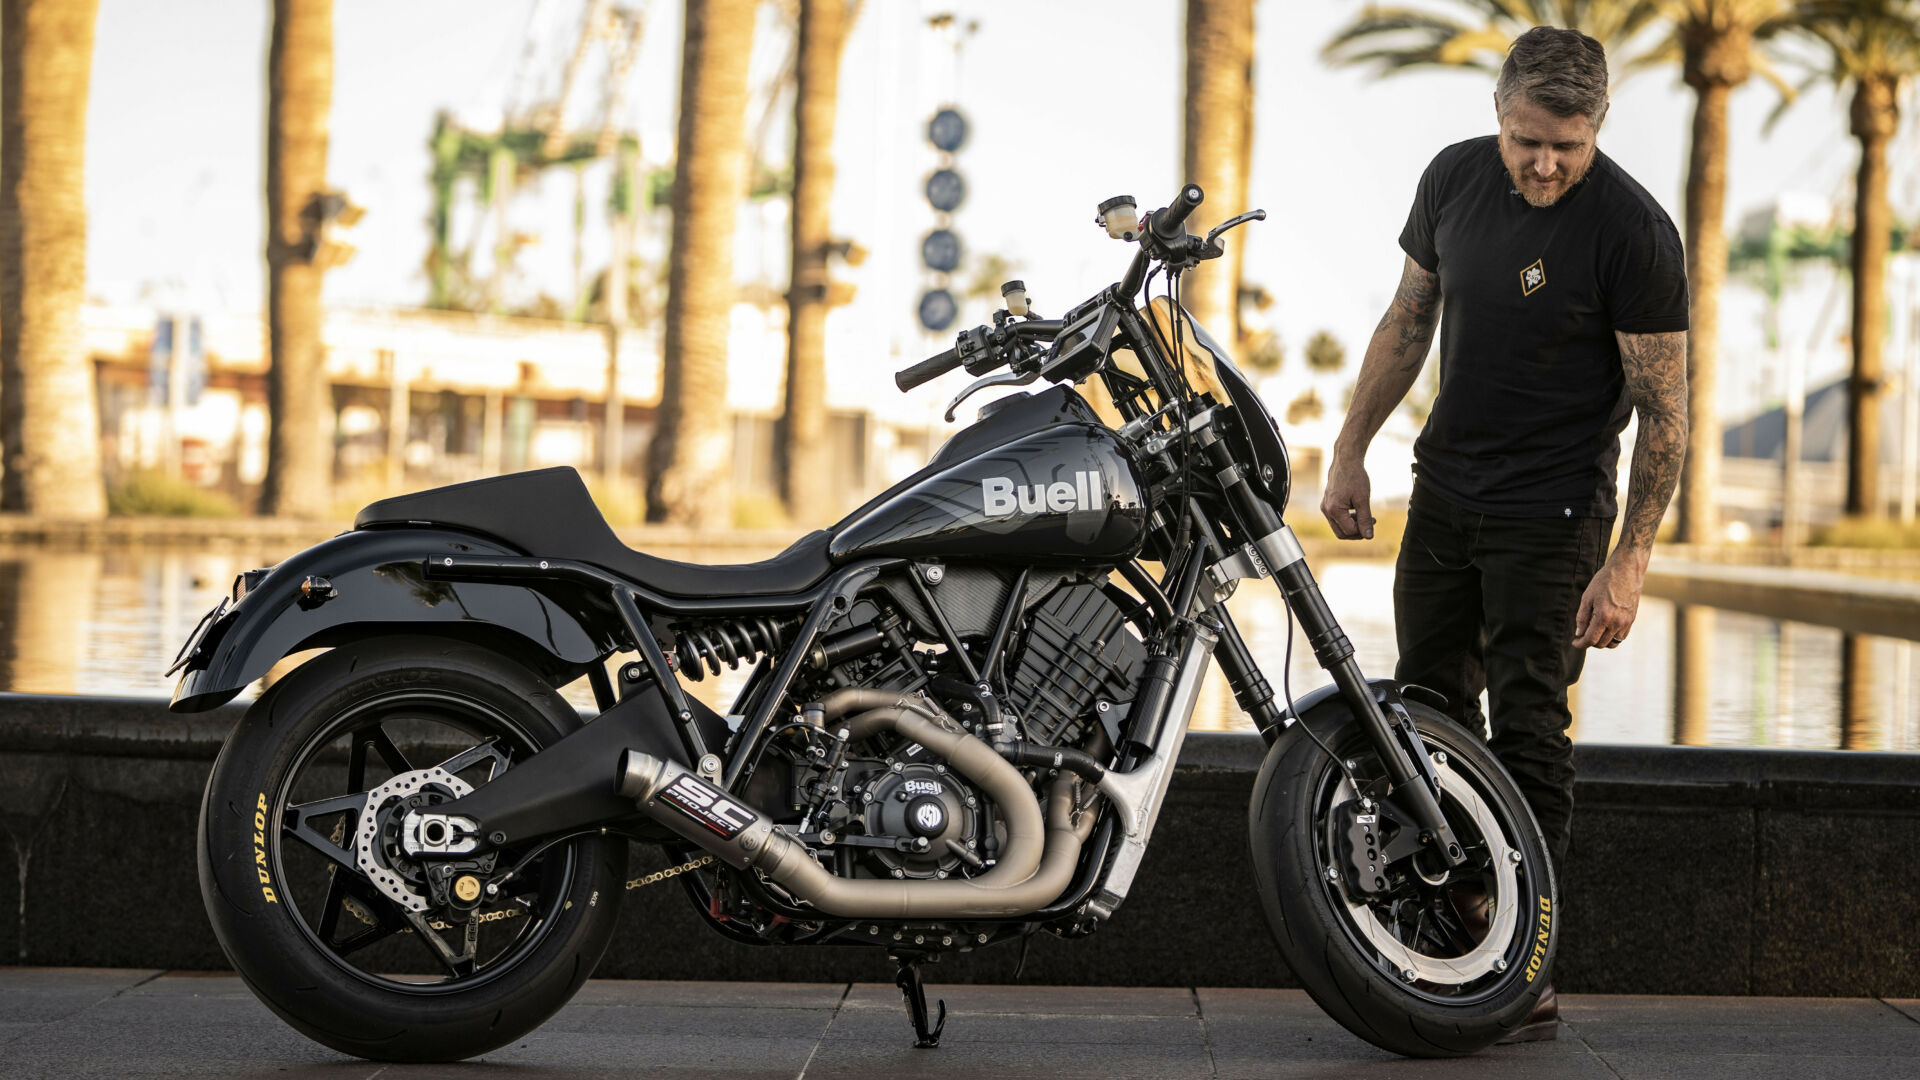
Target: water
[[108, 622]]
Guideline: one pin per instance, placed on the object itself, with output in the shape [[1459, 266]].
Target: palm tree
[[1713, 41], [803, 457], [1873, 46], [1218, 149], [299, 479], [1475, 34], [690, 462], [49, 418]]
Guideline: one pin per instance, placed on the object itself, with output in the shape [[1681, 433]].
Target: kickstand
[[909, 982]]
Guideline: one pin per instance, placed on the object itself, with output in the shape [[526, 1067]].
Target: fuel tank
[[1066, 493]]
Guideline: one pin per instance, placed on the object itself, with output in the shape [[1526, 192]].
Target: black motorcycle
[[964, 706]]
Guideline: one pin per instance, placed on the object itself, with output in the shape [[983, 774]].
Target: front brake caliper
[[1357, 835]]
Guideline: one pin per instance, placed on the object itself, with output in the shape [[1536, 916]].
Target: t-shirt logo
[[1532, 278]]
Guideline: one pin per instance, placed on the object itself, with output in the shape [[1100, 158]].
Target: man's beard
[[1538, 198]]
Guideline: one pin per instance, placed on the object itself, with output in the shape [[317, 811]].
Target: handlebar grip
[[927, 370], [1167, 223]]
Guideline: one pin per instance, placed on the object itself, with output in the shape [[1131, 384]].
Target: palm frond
[[1787, 100]]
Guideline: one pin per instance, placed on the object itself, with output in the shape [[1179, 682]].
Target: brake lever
[[1005, 378], [1232, 222]]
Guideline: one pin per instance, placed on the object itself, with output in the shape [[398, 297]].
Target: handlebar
[[1168, 223], [927, 370], [1167, 228]]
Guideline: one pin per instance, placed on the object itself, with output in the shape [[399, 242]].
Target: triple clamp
[[1245, 563]]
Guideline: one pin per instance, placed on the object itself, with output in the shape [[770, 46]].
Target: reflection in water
[[1692, 673], [1860, 727], [109, 622], [46, 608]]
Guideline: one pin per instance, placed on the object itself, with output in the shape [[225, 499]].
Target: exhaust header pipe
[[1035, 868]]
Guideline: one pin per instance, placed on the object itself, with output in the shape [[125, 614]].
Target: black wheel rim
[[344, 916], [1427, 919]]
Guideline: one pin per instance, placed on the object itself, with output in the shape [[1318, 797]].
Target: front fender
[[379, 586], [1326, 700]]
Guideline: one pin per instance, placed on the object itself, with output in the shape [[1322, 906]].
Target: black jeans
[[1488, 603]]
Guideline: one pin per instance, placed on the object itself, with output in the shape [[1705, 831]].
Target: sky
[[1069, 103]]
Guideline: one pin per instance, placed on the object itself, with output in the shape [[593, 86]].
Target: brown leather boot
[[1542, 1024]]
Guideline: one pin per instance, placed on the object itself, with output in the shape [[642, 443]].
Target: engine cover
[[925, 803]]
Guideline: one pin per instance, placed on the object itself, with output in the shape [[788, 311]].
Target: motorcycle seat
[[548, 513]]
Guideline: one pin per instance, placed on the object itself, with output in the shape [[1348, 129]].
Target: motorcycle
[[964, 706]]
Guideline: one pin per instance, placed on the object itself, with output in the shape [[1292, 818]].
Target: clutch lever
[[1005, 378]]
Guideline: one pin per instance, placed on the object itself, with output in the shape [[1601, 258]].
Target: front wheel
[[315, 901], [1404, 953]]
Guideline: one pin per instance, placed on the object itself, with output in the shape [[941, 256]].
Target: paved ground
[[59, 1022]]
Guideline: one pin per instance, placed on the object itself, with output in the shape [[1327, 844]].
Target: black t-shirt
[[1532, 398]]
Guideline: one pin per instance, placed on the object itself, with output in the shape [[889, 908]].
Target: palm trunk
[[690, 463], [1875, 116], [1219, 136], [48, 412], [299, 479], [1706, 271], [802, 448]]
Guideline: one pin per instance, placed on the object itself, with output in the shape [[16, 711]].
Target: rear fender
[[372, 581]]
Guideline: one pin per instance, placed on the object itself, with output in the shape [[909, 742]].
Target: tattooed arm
[[1656, 370], [1394, 358]]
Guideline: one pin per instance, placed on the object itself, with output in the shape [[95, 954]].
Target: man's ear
[[1603, 117]]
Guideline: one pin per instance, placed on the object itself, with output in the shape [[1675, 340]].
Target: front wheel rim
[[1469, 975]]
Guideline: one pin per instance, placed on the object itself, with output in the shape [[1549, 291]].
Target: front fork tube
[[1413, 782], [1406, 764], [1250, 688]]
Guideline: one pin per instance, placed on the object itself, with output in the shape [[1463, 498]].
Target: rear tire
[[1475, 979], [279, 902]]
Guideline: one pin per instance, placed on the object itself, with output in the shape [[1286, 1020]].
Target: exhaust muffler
[[1035, 867]]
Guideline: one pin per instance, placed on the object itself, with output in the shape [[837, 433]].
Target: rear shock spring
[[727, 641]]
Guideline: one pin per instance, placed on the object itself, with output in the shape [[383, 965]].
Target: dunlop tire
[[1311, 933], [282, 965]]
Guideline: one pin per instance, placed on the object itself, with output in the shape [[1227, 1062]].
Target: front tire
[[1421, 969], [342, 956]]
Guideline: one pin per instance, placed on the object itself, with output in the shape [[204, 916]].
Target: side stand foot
[[908, 980]]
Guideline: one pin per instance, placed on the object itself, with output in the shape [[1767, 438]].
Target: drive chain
[[673, 871]]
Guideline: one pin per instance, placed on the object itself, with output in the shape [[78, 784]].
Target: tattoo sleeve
[[1656, 371], [1394, 357]]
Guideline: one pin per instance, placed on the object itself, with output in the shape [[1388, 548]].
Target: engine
[[880, 806]]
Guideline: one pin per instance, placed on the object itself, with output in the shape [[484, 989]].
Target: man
[[1565, 294]]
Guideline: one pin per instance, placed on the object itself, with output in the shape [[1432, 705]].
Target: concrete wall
[[1693, 871]]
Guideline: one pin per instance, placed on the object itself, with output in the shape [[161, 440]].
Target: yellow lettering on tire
[[260, 849], [1542, 935]]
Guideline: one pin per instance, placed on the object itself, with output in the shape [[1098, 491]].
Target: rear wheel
[[323, 913], [1412, 957]]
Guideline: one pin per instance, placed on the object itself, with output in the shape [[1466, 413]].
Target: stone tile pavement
[[74, 1022]]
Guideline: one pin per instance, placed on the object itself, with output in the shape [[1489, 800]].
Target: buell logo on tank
[[1001, 497]]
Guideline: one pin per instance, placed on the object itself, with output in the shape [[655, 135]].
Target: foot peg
[[924, 1038]]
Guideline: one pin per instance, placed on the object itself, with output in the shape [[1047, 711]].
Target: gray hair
[[1562, 71]]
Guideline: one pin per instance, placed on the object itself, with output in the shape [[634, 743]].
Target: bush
[[154, 493], [759, 510], [1878, 533]]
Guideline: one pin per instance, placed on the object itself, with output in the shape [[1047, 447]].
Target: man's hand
[[1394, 357], [1347, 502], [1610, 603]]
